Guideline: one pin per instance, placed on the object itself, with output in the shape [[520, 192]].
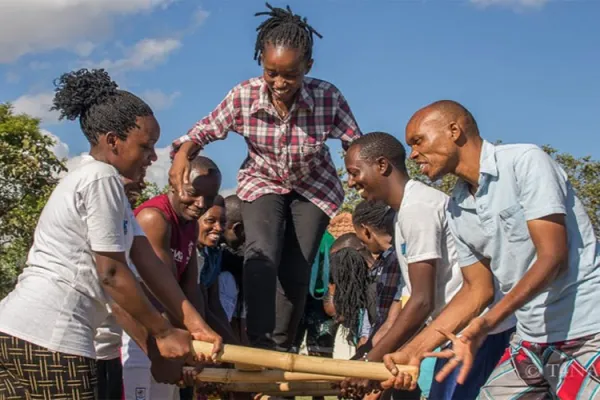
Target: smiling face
[[211, 226], [432, 139], [284, 69], [200, 194], [367, 178], [132, 155]]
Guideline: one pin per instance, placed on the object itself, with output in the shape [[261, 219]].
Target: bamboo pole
[[297, 363], [280, 388], [221, 375]]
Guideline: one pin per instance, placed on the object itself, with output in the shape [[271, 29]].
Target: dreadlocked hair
[[350, 274], [93, 97], [374, 214], [285, 28]]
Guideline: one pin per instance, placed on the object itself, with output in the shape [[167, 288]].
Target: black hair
[[93, 97], [374, 145], [233, 209], [219, 201], [350, 240], [374, 214], [204, 164], [349, 273], [284, 28]]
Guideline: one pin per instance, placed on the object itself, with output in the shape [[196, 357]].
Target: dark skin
[[380, 180], [131, 156], [284, 69], [445, 139], [211, 226], [203, 189]]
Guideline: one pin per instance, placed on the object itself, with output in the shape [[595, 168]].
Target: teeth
[[360, 191], [422, 167]]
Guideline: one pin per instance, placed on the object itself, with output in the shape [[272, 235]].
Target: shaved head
[[438, 134], [445, 112]]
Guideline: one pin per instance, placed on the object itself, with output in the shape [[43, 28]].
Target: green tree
[[584, 174], [150, 190], [29, 172], [351, 196]]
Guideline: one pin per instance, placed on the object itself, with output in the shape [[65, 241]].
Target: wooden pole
[[221, 375], [297, 363], [281, 388]]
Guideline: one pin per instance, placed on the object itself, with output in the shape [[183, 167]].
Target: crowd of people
[[489, 291]]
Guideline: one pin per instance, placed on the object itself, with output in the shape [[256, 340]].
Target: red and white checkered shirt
[[287, 154]]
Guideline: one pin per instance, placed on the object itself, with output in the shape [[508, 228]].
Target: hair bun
[[77, 91]]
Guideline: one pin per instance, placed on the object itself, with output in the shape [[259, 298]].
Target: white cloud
[[60, 149], [39, 65], [228, 192], [158, 172], [159, 100], [30, 26], [37, 105], [199, 17], [515, 4], [145, 54]]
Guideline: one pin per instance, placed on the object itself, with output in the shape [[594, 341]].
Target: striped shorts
[[566, 370], [31, 372]]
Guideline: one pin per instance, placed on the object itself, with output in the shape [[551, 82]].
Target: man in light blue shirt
[[515, 212]]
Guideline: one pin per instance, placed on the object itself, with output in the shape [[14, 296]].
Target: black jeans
[[283, 234], [110, 379]]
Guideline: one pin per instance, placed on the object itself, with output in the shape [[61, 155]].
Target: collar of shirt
[[487, 168], [304, 100]]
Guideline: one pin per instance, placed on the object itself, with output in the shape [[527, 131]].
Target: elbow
[[108, 276], [425, 304]]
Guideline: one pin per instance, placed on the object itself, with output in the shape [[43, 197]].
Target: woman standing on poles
[[288, 182], [78, 258]]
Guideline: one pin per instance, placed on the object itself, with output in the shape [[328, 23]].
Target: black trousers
[[283, 234], [110, 379]]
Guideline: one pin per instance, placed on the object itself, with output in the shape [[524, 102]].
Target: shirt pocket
[[514, 224], [310, 155]]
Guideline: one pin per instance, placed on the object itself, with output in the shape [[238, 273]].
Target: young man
[[425, 246], [514, 212], [170, 224], [232, 262]]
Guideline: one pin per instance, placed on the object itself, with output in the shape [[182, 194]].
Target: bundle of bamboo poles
[[277, 373]]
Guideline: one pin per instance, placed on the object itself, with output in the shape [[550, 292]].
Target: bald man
[[514, 212]]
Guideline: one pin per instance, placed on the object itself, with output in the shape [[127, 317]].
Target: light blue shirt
[[519, 183]]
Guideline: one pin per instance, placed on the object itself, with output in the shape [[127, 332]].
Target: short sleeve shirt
[[87, 212], [520, 183]]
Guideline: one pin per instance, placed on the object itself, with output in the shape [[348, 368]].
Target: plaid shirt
[[286, 154], [386, 272]]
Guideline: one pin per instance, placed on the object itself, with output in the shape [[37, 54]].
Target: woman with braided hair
[[79, 258], [288, 183]]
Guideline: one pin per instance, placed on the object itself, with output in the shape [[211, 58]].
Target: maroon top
[[183, 233]]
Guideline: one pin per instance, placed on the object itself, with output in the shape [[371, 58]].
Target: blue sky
[[529, 70]]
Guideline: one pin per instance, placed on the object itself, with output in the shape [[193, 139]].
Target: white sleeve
[[137, 229], [105, 214], [422, 231]]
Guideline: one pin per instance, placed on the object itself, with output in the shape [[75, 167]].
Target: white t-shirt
[[58, 302], [108, 339], [422, 233]]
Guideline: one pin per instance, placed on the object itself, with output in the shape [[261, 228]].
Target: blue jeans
[[486, 360]]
